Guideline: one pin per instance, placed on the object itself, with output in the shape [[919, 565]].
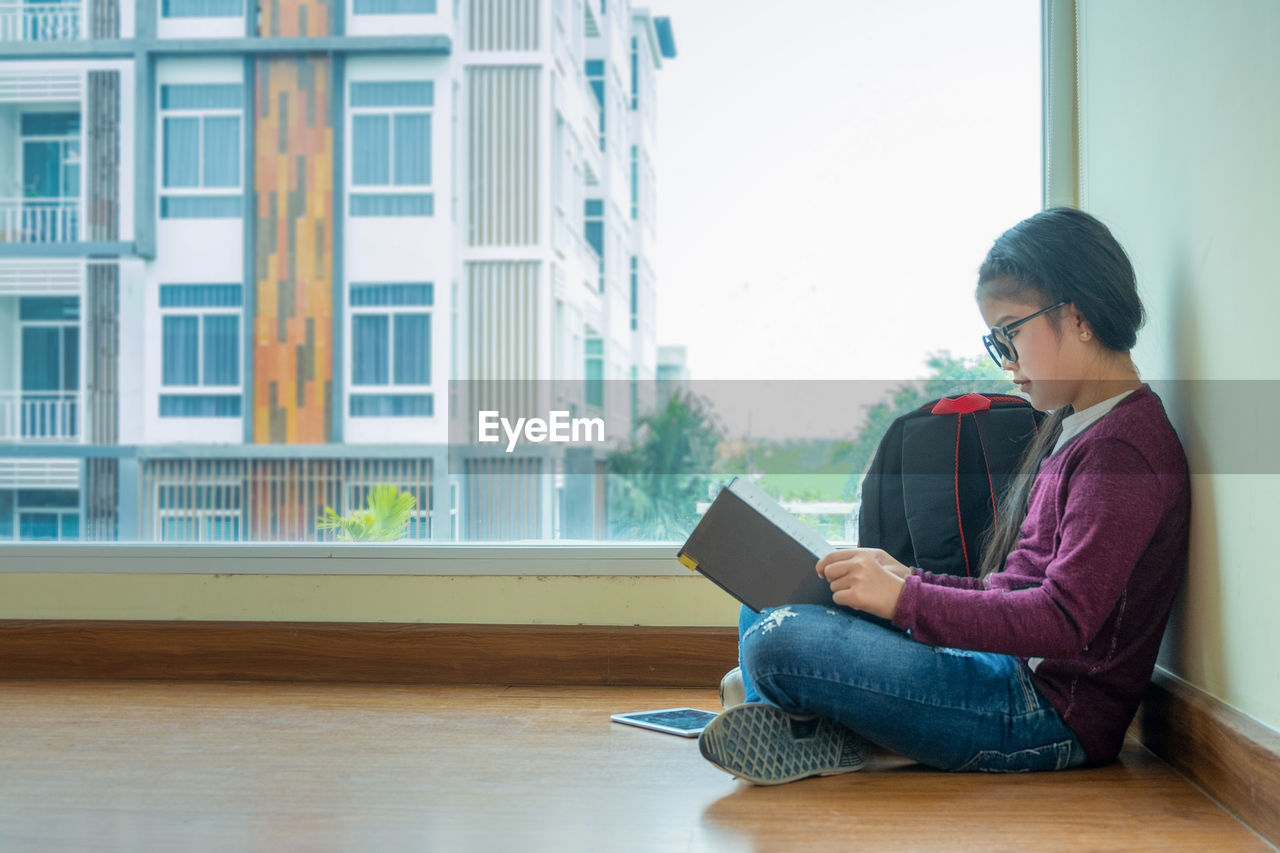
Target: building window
[[635, 72], [395, 7], [595, 76], [390, 350], [40, 514], [50, 169], [202, 8], [49, 335], [593, 231], [635, 182], [453, 511], [594, 372], [201, 343], [209, 511], [201, 151], [391, 149], [635, 292]]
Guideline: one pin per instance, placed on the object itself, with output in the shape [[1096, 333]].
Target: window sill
[[592, 559]]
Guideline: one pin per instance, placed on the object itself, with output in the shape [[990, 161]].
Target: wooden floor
[[143, 766]]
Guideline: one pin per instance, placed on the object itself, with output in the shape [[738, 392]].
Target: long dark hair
[[1060, 255]]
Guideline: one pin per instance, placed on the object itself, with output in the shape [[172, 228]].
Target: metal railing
[[40, 415], [39, 21], [39, 220]]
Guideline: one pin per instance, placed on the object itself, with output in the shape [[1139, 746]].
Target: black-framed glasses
[[999, 343]]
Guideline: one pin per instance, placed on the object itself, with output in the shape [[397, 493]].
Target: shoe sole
[[767, 746]]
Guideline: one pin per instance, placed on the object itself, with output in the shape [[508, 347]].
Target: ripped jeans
[[947, 708]]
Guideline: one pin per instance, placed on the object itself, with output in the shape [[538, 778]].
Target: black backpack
[[937, 477]]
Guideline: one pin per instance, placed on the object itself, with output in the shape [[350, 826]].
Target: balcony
[[39, 220], [40, 21], [40, 416]]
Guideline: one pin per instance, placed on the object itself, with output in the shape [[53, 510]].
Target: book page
[[763, 503]]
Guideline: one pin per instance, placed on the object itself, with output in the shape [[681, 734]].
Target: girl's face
[[1049, 362]]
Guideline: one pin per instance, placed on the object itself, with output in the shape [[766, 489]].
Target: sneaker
[[732, 691], [765, 745]]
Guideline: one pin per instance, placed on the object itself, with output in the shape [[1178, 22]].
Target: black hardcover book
[[757, 551]]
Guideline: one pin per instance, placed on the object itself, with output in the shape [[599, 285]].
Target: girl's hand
[[866, 579]]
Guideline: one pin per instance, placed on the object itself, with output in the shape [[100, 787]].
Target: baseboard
[[368, 652], [1232, 757]]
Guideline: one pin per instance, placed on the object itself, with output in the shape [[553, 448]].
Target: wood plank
[[1232, 757], [367, 652], [100, 765]]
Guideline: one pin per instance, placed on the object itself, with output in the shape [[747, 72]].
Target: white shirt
[[1077, 422]]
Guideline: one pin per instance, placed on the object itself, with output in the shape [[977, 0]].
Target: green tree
[[949, 376], [656, 482], [385, 517]]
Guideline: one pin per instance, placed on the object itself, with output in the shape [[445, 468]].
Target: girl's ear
[[1078, 325]]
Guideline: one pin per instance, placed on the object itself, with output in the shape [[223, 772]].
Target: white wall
[[188, 251], [1180, 155], [405, 249]]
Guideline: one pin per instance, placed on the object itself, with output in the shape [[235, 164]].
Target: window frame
[[434, 10], [165, 16], [391, 388], [200, 313], [201, 114], [484, 559], [341, 558], [353, 190], [17, 510]]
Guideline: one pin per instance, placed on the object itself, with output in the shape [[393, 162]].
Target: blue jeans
[[947, 708]]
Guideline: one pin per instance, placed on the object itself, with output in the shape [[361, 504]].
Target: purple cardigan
[[1091, 583]]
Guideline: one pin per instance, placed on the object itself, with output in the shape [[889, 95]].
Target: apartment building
[[254, 258]]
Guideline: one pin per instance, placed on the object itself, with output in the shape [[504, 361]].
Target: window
[[395, 7], [50, 365], [390, 350], [595, 76], [766, 265], [453, 511], [635, 72], [391, 149], [200, 340], [202, 8], [635, 292], [50, 153], [200, 169], [593, 231], [594, 371], [40, 514], [210, 511]]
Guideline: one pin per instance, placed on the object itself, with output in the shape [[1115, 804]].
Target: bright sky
[[831, 174]]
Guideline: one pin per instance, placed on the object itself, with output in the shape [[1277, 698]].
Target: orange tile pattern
[[296, 18], [294, 215]]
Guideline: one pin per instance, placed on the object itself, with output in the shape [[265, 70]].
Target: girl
[[1040, 663]]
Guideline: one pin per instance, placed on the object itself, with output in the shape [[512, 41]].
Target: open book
[[756, 550]]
